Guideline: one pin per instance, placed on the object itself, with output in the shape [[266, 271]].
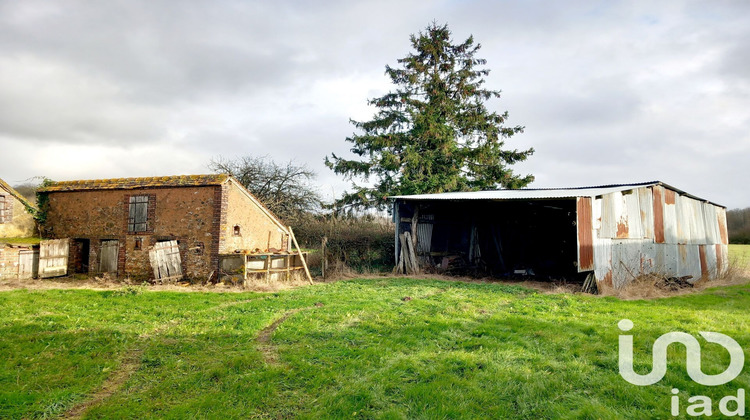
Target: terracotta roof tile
[[133, 183]]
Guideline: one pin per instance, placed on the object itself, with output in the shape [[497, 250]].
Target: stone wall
[[17, 222], [185, 214], [247, 225]]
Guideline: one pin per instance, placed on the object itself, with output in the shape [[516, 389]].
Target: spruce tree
[[433, 133]]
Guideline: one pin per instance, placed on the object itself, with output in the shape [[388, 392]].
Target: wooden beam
[[301, 257]]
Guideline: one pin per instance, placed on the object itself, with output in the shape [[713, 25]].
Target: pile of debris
[[674, 284]]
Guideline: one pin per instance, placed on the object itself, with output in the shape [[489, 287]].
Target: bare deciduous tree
[[287, 189]]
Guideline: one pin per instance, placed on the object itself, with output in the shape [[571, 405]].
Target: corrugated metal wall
[[655, 230]]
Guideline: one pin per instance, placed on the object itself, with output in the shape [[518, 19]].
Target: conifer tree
[[433, 133]]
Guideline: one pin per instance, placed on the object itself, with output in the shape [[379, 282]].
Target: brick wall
[[255, 227], [184, 214]]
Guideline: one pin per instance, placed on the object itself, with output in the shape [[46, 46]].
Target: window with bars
[[138, 213], [3, 209]]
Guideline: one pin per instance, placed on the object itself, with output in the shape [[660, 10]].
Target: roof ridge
[[137, 182]]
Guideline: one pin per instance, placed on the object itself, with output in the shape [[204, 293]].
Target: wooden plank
[[301, 257], [108, 256], [585, 233], [53, 258]]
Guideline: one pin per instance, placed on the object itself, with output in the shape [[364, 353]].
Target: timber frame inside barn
[[611, 233]]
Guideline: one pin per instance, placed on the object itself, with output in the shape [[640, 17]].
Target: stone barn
[[162, 228], [611, 234], [16, 219]]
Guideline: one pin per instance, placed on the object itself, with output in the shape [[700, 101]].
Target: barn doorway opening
[[80, 251], [504, 239]]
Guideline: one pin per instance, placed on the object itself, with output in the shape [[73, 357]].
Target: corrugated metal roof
[[539, 193], [133, 183]]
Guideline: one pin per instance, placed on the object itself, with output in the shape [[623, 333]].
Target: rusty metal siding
[[721, 214], [666, 259], [689, 262], [712, 223], [631, 258], [603, 260], [608, 215], [645, 199], [722, 259], [633, 213], [658, 202], [670, 217], [585, 234]]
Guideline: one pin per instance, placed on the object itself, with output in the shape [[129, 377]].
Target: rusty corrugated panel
[[667, 261], [645, 198], [722, 259], [697, 224], [670, 218], [603, 260], [632, 208], [689, 263], [721, 215], [630, 259], [669, 196], [712, 223], [711, 261], [683, 220], [658, 202], [585, 234], [607, 216], [596, 216], [702, 257]]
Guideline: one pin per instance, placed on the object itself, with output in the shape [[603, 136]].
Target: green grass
[[20, 241], [740, 254], [454, 350]]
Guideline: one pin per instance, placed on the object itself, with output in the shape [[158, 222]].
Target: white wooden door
[[166, 262], [108, 256], [53, 258], [27, 263]]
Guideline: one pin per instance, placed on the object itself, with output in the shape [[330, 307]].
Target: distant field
[[370, 348], [740, 253]]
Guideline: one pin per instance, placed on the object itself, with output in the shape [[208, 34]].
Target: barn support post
[[414, 223], [397, 221]]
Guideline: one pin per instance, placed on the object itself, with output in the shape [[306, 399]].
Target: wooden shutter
[[109, 256], [165, 261], [138, 213], [2, 209], [53, 258]]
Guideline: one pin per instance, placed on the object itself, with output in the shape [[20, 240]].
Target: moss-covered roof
[[133, 183], [4, 186]]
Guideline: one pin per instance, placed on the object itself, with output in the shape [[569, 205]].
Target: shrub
[[363, 243]]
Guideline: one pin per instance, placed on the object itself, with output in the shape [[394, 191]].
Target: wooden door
[[166, 261], [53, 258], [27, 264], [108, 256]]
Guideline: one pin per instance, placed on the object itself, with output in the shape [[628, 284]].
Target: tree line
[[738, 225]]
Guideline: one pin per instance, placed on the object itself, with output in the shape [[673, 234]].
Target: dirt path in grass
[[130, 364], [270, 354]]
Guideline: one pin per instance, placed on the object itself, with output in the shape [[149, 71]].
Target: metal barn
[[614, 233]]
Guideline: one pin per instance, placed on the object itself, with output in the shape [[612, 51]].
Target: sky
[[609, 91]]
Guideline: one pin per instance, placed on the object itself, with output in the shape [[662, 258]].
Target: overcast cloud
[[609, 92]]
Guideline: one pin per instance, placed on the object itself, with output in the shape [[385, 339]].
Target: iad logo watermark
[[702, 405]]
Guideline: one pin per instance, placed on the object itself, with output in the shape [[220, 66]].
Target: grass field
[[379, 348], [740, 254]]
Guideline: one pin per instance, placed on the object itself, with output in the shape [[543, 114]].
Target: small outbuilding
[[16, 214], [162, 228], [611, 234]]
